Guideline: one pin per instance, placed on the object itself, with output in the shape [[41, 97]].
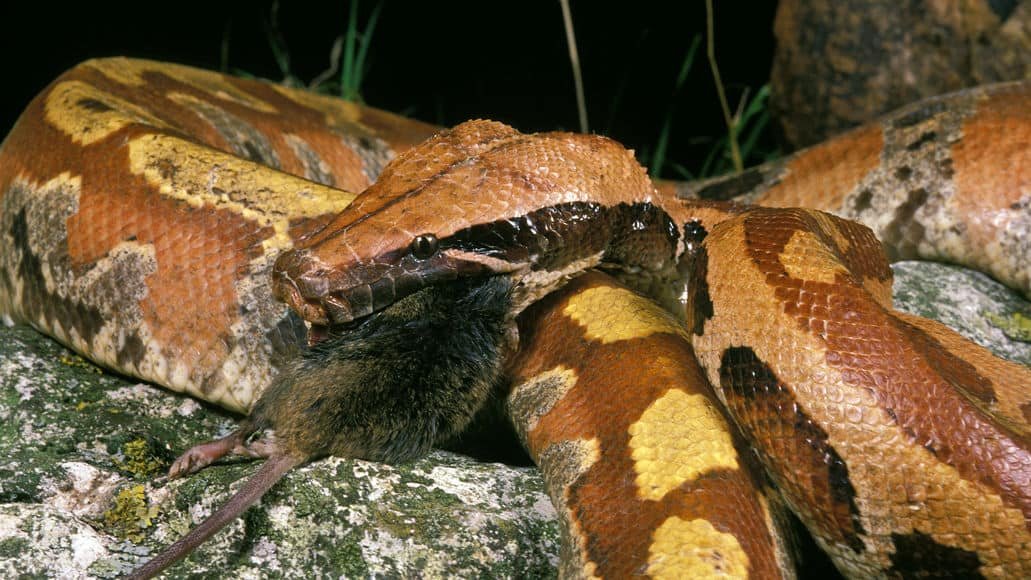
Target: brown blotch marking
[[37, 301], [903, 173], [792, 444], [999, 129], [94, 105], [289, 117], [924, 139], [699, 302], [924, 112], [862, 200], [314, 166], [552, 228], [905, 369], [244, 139], [132, 352], [199, 252], [824, 175], [616, 383], [917, 555], [1025, 409], [732, 187], [904, 233]]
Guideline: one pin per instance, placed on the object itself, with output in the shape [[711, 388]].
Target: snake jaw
[[298, 283], [334, 295]]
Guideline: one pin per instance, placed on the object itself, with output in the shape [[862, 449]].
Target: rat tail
[[271, 472]]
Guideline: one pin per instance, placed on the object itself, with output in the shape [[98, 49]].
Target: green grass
[[347, 57], [658, 158], [745, 128]]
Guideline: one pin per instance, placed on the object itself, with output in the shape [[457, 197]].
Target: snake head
[[480, 199], [333, 293]]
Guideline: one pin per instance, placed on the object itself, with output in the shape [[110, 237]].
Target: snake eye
[[424, 246]]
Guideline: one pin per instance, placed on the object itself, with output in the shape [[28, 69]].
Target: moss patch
[[12, 547]]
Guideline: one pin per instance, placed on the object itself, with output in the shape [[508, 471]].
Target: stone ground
[[82, 453]]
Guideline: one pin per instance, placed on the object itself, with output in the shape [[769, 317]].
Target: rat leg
[[203, 454]]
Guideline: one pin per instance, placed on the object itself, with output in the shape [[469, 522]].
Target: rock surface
[[81, 453]]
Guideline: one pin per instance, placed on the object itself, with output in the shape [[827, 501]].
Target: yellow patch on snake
[[592, 310], [128, 71], [694, 549], [678, 437], [807, 258], [209, 178], [88, 114]]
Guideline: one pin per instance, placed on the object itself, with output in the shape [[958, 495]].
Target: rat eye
[[424, 246]]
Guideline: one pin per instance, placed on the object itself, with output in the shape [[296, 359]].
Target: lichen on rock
[[79, 453]]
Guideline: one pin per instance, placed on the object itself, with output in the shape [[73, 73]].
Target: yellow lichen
[[1014, 325], [74, 360], [130, 514], [138, 459]]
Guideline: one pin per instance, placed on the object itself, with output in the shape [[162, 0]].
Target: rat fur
[[388, 389]]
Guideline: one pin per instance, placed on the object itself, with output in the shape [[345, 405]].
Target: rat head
[[481, 199]]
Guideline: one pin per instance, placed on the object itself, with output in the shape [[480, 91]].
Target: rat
[[387, 388]]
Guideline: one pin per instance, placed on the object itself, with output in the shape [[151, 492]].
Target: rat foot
[[201, 455]]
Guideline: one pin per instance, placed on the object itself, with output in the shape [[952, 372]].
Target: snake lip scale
[[207, 234]]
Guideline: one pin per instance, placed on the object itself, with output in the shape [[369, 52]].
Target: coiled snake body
[[152, 214]]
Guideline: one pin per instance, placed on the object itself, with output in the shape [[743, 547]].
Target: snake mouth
[[308, 294], [334, 296]]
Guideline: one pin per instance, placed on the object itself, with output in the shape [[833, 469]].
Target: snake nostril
[[301, 271]]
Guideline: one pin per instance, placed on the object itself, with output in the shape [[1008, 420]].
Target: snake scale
[[197, 230]]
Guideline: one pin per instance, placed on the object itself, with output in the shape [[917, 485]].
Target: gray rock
[[81, 453], [973, 304]]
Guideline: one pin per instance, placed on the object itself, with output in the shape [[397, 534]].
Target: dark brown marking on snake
[[1003, 8], [901, 366], [730, 188], [956, 371], [699, 302], [131, 353], [552, 237], [310, 159], [923, 139], [568, 231], [1025, 410], [903, 173], [862, 200], [246, 140], [926, 112], [94, 105], [918, 555], [904, 233], [867, 265], [769, 414], [374, 153], [38, 302]]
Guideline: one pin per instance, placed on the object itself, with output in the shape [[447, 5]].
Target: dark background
[[442, 62]]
